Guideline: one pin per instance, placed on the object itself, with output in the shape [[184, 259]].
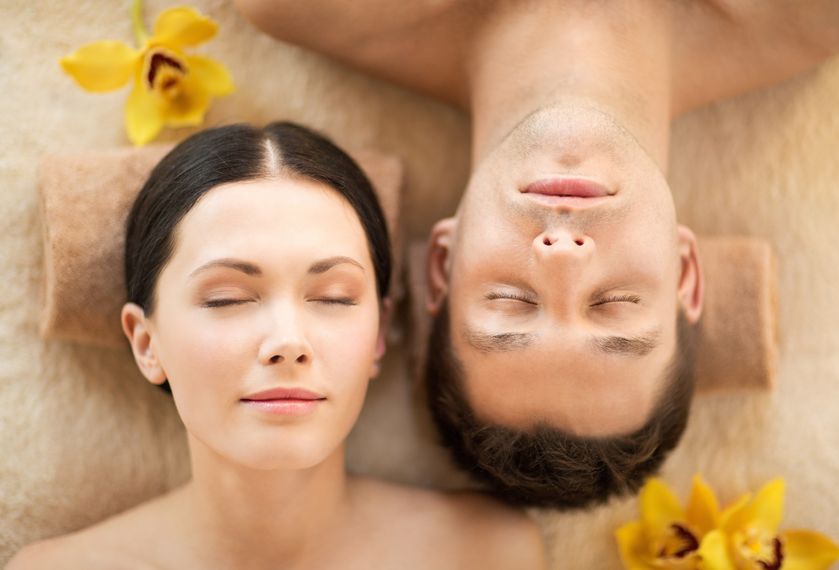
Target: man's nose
[[564, 244], [286, 344]]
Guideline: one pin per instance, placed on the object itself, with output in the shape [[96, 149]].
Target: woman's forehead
[[266, 222]]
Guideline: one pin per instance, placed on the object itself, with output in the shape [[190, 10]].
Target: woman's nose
[[286, 345], [291, 352]]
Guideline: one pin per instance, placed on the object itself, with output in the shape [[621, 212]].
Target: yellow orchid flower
[[754, 542], [744, 536], [170, 87], [668, 537]]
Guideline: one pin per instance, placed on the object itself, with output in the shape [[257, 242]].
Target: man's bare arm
[[419, 44]]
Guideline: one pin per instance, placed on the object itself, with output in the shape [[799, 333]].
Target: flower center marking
[[760, 550], [679, 549], [777, 558], [689, 541], [164, 66]]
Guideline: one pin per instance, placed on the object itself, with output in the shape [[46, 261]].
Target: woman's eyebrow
[[248, 268], [245, 267], [324, 265]]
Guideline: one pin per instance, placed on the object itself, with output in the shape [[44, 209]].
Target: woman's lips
[[284, 401], [562, 189]]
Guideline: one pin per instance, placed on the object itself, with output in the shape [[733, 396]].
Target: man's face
[[563, 309]]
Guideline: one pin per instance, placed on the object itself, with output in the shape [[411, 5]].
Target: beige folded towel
[[85, 200], [737, 341]]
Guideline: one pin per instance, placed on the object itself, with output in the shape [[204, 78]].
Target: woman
[[257, 266]]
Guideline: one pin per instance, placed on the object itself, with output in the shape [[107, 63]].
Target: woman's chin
[[280, 458]]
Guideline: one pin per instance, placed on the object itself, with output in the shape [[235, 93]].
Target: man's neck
[[614, 57], [255, 516]]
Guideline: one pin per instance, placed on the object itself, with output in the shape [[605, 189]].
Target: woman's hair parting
[[237, 153]]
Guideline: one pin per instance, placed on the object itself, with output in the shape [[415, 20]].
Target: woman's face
[[270, 287]]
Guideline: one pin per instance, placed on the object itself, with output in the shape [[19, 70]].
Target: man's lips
[[567, 187]]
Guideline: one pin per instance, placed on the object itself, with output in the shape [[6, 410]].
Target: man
[[563, 290]]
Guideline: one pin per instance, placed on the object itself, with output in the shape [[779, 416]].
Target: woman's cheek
[[348, 346], [212, 363], [215, 351]]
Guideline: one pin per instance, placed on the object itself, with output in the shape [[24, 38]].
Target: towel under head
[[85, 200]]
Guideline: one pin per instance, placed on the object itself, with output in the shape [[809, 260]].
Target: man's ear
[[438, 263], [691, 283], [136, 328], [381, 341]]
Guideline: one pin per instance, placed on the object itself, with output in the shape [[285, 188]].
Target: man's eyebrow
[[324, 265], [501, 342], [639, 345], [245, 267]]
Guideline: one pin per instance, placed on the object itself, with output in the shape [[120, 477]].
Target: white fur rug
[[83, 436]]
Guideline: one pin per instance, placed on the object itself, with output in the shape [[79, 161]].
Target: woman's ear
[[691, 283], [385, 313], [438, 263], [136, 328]]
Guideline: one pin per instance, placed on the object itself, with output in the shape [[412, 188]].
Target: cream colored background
[[83, 436]]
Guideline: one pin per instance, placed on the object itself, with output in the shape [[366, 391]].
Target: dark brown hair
[[547, 466], [236, 153]]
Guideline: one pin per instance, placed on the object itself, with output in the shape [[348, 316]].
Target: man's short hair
[[547, 466]]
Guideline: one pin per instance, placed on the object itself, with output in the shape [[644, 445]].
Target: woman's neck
[[249, 515], [614, 57]]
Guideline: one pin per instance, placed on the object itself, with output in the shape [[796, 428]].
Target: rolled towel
[[85, 200], [737, 341], [737, 344]]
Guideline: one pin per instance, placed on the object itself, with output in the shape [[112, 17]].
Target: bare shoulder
[[468, 530], [72, 551], [360, 18], [499, 536], [122, 542], [727, 47], [43, 554], [814, 24]]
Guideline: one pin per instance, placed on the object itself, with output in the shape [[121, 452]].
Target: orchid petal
[[764, 511], [632, 544], [731, 510], [702, 511], [659, 508], [101, 66], [143, 117], [183, 26], [212, 76], [189, 107], [808, 550], [713, 550]]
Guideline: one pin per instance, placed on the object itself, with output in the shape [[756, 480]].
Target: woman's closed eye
[[216, 303]]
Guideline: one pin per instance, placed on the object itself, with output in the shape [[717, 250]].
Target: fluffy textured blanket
[[84, 436]]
